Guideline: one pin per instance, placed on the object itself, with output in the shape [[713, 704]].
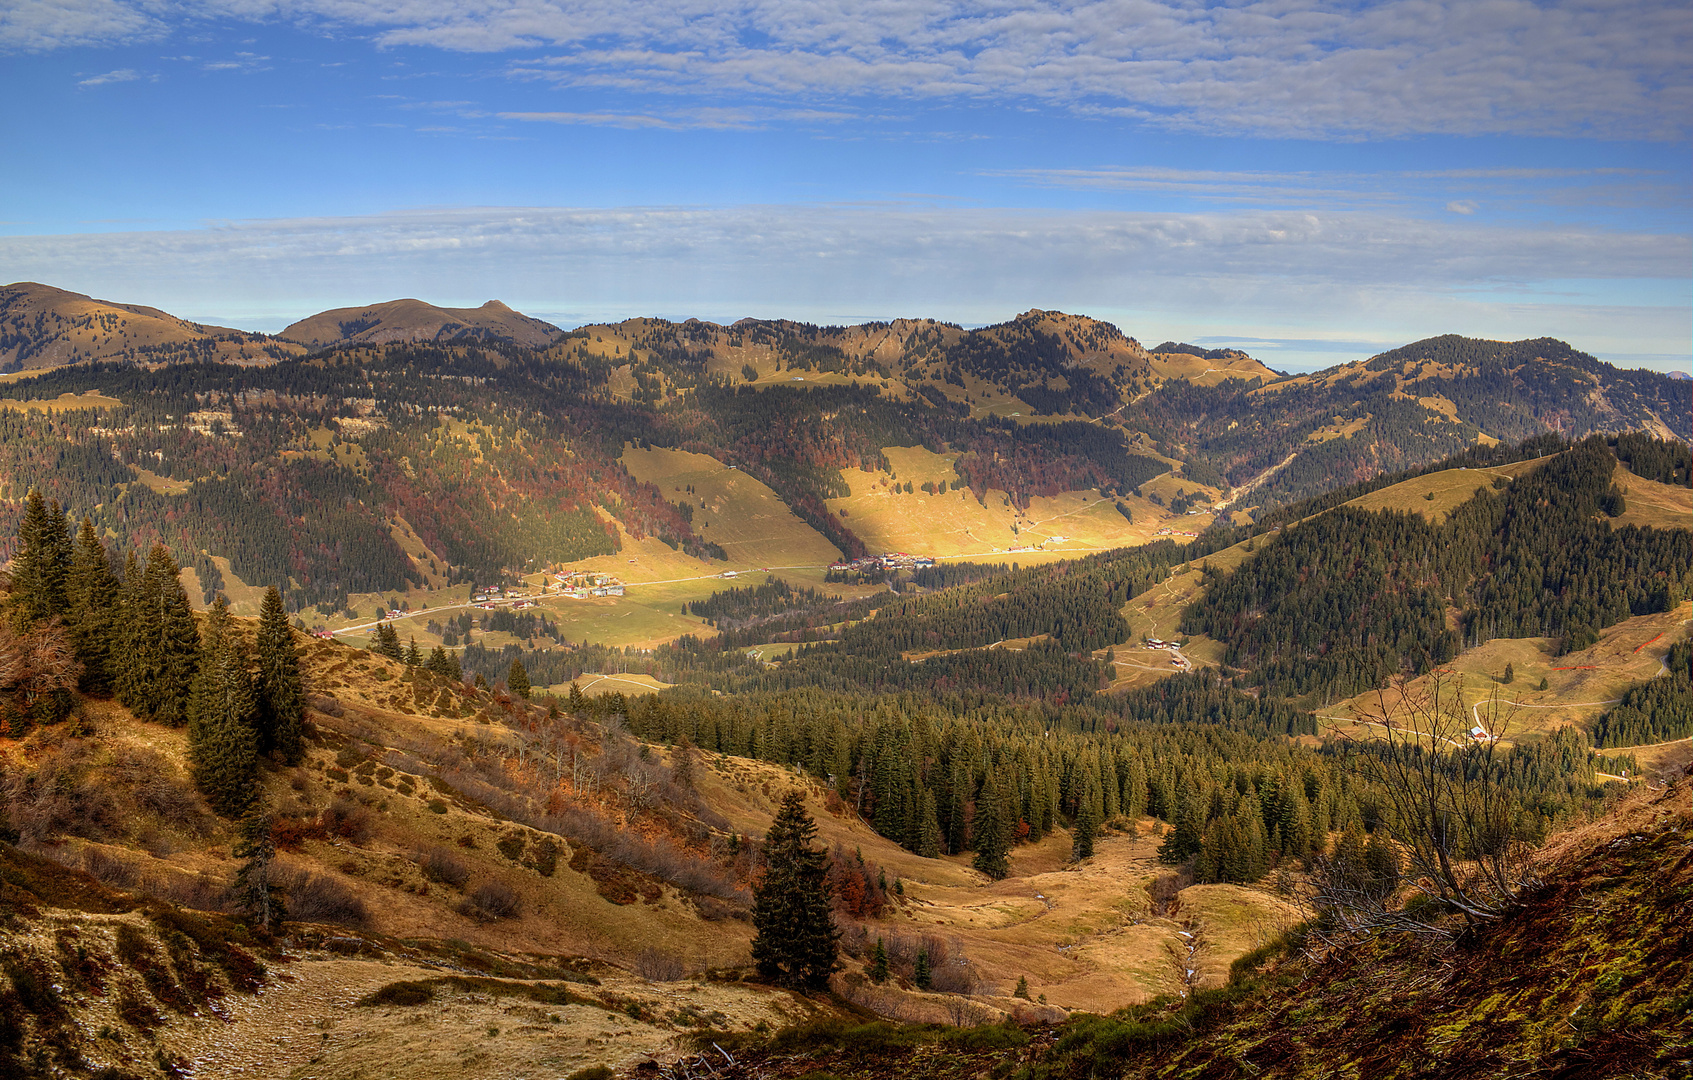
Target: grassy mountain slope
[[1588, 976], [509, 891], [414, 320], [41, 327]]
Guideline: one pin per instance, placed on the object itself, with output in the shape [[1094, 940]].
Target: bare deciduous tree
[[1452, 825]]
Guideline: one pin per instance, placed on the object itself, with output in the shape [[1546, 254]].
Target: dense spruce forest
[[1657, 711], [1337, 604]]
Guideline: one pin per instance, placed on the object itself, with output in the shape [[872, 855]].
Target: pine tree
[[1188, 836], [929, 839], [578, 702], [388, 642], [1086, 829], [517, 679], [159, 645], [256, 844], [878, 969], [921, 973], [136, 638], [414, 658], [681, 763], [281, 697], [40, 566], [94, 596], [178, 648], [796, 940], [993, 828], [222, 744]]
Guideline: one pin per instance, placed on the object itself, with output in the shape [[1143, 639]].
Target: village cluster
[[893, 560], [1176, 657], [579, 584]]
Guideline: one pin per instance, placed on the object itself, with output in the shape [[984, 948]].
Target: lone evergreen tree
[[796, 939], [878, 970], [921, 973], [682, 761], [414, 657], [281, 715], [257, 846], [387, 642], [437, 662], [517, 680]]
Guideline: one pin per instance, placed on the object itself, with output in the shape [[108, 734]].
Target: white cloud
[[1276, 275], [34, 25], [1273, 67], [120, 75], [710, 119], [1462, 206]]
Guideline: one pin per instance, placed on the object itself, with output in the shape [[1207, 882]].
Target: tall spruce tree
[[178, 649], [136, 638], [281, 716], [40, 566], [1086, 830], [222, 744], [517, 680], [159, 646], [796, 943], [387, 642], [929, 839], [94, 597], [993, 828], [256, 846]]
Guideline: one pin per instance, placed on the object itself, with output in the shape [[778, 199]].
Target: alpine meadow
[[1032, 541]]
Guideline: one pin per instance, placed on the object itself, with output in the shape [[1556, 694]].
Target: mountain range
[[1091, 664]]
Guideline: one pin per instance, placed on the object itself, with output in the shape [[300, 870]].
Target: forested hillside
[[1337, 604]]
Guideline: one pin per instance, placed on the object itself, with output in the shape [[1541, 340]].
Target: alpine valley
[[436, 692]]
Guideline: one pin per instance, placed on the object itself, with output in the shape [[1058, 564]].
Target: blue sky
[[1314, 181]]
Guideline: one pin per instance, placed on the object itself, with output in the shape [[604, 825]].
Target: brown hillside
[[414, 320], [42, 327]]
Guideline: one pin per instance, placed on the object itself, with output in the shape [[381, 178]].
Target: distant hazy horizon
[[1324, 178]]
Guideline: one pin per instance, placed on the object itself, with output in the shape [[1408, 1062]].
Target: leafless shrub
[[1163, 890], [493, 899], [65, 793], [159, 789], [1452, 828], [318, 898], [656, 965], [349, 820], [440, 864], [957, 976], [36, 664], [327, 704], [711, 909], [105, 865], [966, 1013], [195, 891]]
